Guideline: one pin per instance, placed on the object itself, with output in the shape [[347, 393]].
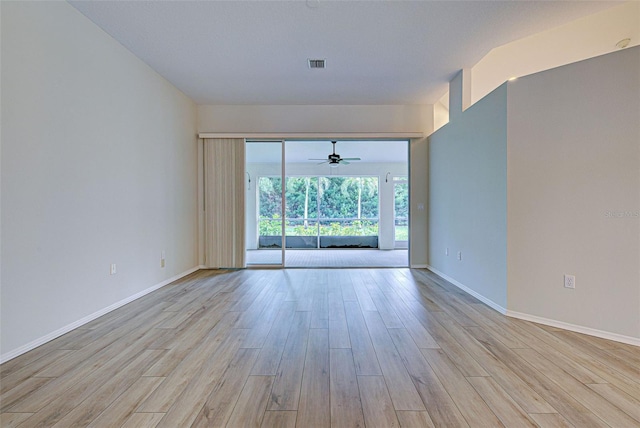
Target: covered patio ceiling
[[302, 151]]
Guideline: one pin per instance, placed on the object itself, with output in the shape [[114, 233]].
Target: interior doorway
[[304, 209]]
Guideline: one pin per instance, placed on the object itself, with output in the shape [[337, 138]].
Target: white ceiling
[[377, 52], [301, 151]]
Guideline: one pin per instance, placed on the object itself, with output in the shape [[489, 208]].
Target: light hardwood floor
[[319, 348]]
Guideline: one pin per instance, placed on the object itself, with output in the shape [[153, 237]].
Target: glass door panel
[[301, 214], [401, 214], [264, 203]]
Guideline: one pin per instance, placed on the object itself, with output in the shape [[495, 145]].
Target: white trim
[[468, 290], [532, 318], [67, 328], [577, 328], [419, 266], [313, 135]]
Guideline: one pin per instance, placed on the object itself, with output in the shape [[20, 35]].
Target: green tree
[[339, 198], [334, 202], [270, 199], [366, 188], [401, 202], [301, 194]]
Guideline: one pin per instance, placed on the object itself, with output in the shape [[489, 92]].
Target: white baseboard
[[553, 323], [577, 328], [419, 266], [468, 290], [67, 328]]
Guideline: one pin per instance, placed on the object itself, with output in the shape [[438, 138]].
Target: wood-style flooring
[[319, 348]]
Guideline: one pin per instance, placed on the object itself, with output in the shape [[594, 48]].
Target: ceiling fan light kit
[[334, 159]]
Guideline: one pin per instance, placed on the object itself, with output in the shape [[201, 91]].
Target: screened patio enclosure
[[321, 212], [296, 202]]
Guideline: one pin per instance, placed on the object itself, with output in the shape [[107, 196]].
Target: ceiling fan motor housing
[[334, 159]]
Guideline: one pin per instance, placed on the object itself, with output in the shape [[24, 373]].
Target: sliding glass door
[[295, 210], [264, 203]]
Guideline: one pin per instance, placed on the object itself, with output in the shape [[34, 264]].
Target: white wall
[[468, 197], [419, 198], [1, 122], [386, 197], [315, 118], [440, 115], [584, 38], [98, 166], [574, 157], [566, 144]]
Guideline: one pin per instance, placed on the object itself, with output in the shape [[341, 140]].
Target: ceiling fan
[[334, 159]]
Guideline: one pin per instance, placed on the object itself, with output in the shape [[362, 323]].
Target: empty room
[[317, 213]]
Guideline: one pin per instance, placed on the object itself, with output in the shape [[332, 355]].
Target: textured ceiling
[[377, 52]]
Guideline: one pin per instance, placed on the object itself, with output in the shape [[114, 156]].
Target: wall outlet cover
[[569, 281]]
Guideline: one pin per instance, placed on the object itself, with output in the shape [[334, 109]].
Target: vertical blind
[[224, 202]]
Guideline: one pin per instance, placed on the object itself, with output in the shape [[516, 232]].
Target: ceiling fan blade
[[351, 159], [342, 161], [322, 162], [317, 159]]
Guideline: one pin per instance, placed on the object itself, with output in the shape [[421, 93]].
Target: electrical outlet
[[112, 269], [446, 251], [162, 259], [569, 281], [459, 255]]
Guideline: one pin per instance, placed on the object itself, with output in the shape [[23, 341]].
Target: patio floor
[[331, 258]]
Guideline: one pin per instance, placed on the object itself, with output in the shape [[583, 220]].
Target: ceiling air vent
[[316, 63]]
